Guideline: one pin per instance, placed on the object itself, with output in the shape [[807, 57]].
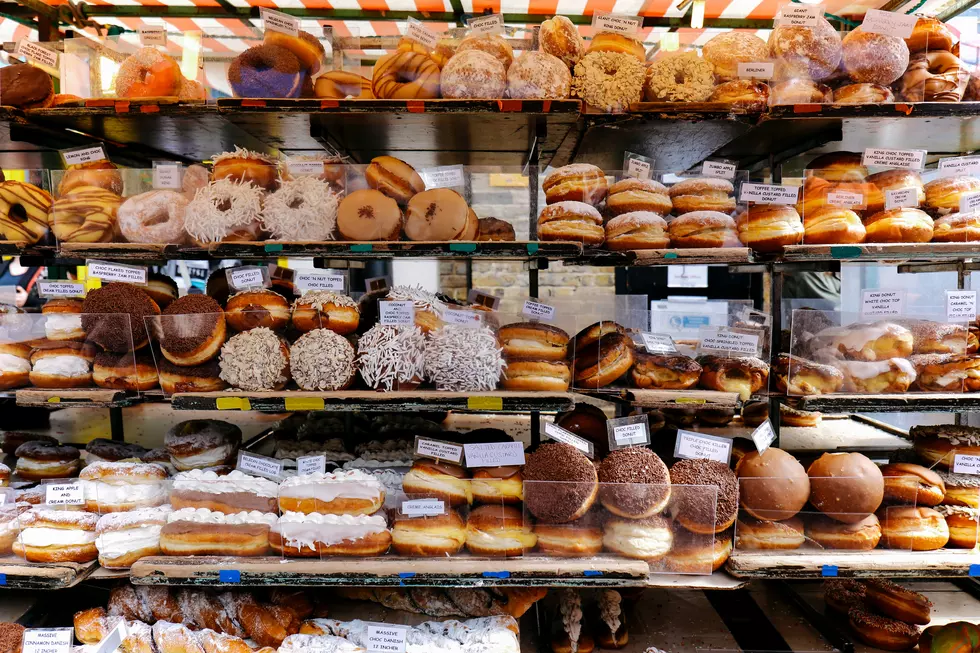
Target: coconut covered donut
[[680, 77], [473, 74], [538, 74], [609, 81], [221, 209], [302, 209], [154, 217]]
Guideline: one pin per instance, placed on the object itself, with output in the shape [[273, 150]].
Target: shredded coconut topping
[[610, 609], [463, 359], [242, 153], [220, 208], [322, 360], [386, 354], [570, 604], [254, 360], [422, 299], [304, 209], [317, 299]]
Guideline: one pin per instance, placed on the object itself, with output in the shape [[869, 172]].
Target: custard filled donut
[[745, 375], [394, 178], [957, 228], [935, 76], [368, 214], [473, 74], [754, 534], [123, 486], [560, 38], [638, 195], [405, 75], [560, 483], [320, 309], [266, 71], [800, 91], [495, 485], [578, 182], [892, 375], [797, 376], [250, 309], [946, 372], [664, 371], [746, 94], [62, 365], [943, 195], [863, 94], [702, 194], [575, 539], [571, 220], [936, 445], [912, 528], [817, 192], [97, 174], [37, 461], [437, 480], [24, 211], [602, 362], [930, 34], [85, 215], [154, 217], [882, 632], [636, 483], [772, 485], [866, 342], [498, 531], [901, 225], [694, 508], [314, 535], [637, 230], [862, 535], [961, 489], [57, 536], [15, 365], [882, 182], [432, 535], [535, 340], [769, 227], [833, 225], [874, 58], [124, 538], [912, 484], [703, 229], [192, 330], [846, 487], [649, 538], [228, 494], [805, 52], [963, 524]]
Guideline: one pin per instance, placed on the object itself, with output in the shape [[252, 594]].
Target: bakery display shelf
[[668, 398], [16, 573], [883, 110], [911, 402], [698, 110], [883, 563], [729, 255], [458, 571], [356, 105], [367, 401], [881, 252], [842, 433], [170, 105], [76, 398], [719, 580]]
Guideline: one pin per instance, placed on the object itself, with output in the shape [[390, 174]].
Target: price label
[[882, 303], [723, 340], [418, 32], [444, 177], [699, 445], [81, 155], [908, 159], [305, 168], [845, 199], [64, 494], [877, 21], [963, 464], [628, 431], [769, 193], [486, 25], [438, 449], [558, 434], [969, 202], [959, 165], [252, 463], [116, 272], [719, 169], [113, 639], [763, 436], [423, 507], [306, 465], [151, 35], [330, 280], [615, 23], [755, 70], [48, 640], [799, 15], [637, 166], [479, 298], [687, 276], [60, 289], [37, 53], [902, 198], [494, 454], [659, 343], [397, 313], [537, 311], [276, 21], [385, 638], [166, 176], [243, 278], [961, 305], [463, 318]]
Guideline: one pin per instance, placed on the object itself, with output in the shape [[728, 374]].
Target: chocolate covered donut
[[266, 71]]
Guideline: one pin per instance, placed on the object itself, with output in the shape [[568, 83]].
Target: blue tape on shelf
[[406, 574], [828, 570], [3, 579], [229, 576], [591, 572], [496, 574], [273, 247], [974, 570], [462, 247], [362, 248]]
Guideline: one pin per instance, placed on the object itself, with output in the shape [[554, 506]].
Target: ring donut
[[268, 71], [23, 211], [153, 217], [405, 75], [85, 215], [933, 77], [148, 73]]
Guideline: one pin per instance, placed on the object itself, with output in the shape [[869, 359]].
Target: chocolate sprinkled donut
[[693, 505], [103, 324], [634, 465], [200, 314], [573, 487]]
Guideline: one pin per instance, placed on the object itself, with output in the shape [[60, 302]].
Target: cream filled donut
[[62, 365], [199, 443], [63, 319], [346, 492], [229, 494], [313, 535], [15, 365], [37, 461], [122, 538], [199, 531], [647, 539], [57, 536], [118, 487]]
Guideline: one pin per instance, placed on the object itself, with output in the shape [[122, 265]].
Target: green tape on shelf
[[273, 247], [845, 251], [462, 247], [532, 248], [670, 255], [362, 248]]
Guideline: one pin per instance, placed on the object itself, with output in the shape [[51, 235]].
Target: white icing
[[62, 323], [205, 516], [207, 458], [55, 536], [40, 465], [116, 493], [869, 370], [11, 363], [318, 643], [118, 543], [198, 480], [304, 531], [353, 484], [62, 366]]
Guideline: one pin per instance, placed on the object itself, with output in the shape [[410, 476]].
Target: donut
[[191, 89], [930, 34], [863, 94], [85, 215], [473, 74], [559, 37], [101, 174], [679, 77], [618, 43], [243, 165], [742, 93], [26, 87], [728, 49], [192, 330], [338, 84], [800, 91], [933, 77], [266, 71], [224, 210], [493, 44], [404, 76], [148, 73], [538, 75], [153, 217], [306, 48], [368, 214], [23, 211], [608, 81], [873, 58], [805, 52], [437, 214]]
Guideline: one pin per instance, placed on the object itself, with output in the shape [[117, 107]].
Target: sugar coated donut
[[805, 52], [85, 215], [560, 38], [23, 211], [153, 217], [493, 44], [538, 75], [405, 75], [874, 58], [148, 73], [473, 74], [266, 71]]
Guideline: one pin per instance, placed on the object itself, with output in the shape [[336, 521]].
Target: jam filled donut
[[25, 87], [266, 71], [405, 75], [148, 73], [23, 211]]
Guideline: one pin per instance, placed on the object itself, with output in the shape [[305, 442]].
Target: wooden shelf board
[[20, 574], [76, 398], [914, 402], [716, 256], [821, 563], [683, 110], [881, 252], [719, 580], [667, 398]]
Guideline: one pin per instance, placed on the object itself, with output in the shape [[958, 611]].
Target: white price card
[[959, 165], [37, 53], [252, 276], [763, 436], [486, 25], [306, 465], [396, 313], [603, 21], [969, 202], [890, 23], [494, 454], [769, 193], [719, 169], [537, 311], [438, 450], [276, 21], [799, 15], [762, 70], [423, 507], [658, 343], [698, 445], [115, 272], [882, 303], [461, 317], [326, 280], [846, 199], [908, 159], [638, 167], [961, 305], [385, 638], [60, 289], [418, 32], [112, 641], [64, 494], [964, 464], [252, 463], [444, 177], [153, 35], [724, 340], [687, 276], [902, 198], [304, 168], [48, 640], [166, 176], [628, 431], [81, 155], [558, 434]]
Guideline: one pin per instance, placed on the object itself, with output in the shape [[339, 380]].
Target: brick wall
[[509, 279]]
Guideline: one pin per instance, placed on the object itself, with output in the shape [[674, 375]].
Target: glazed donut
[[930, 34], [874, 58], [101, 174], [266, 71], [338, 84], [897, 602], [863, 94], [421, 72], [85, 215], [154, 217], [882, 632], [828, 533], [24, 211], [148, 73], [933, 77]]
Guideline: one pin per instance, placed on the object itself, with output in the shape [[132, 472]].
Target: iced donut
[[153, 217]]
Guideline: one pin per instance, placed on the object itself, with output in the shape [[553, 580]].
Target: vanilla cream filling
[[15, 364], [62, 366], [56, 537], [62, 322], [115, 544]]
